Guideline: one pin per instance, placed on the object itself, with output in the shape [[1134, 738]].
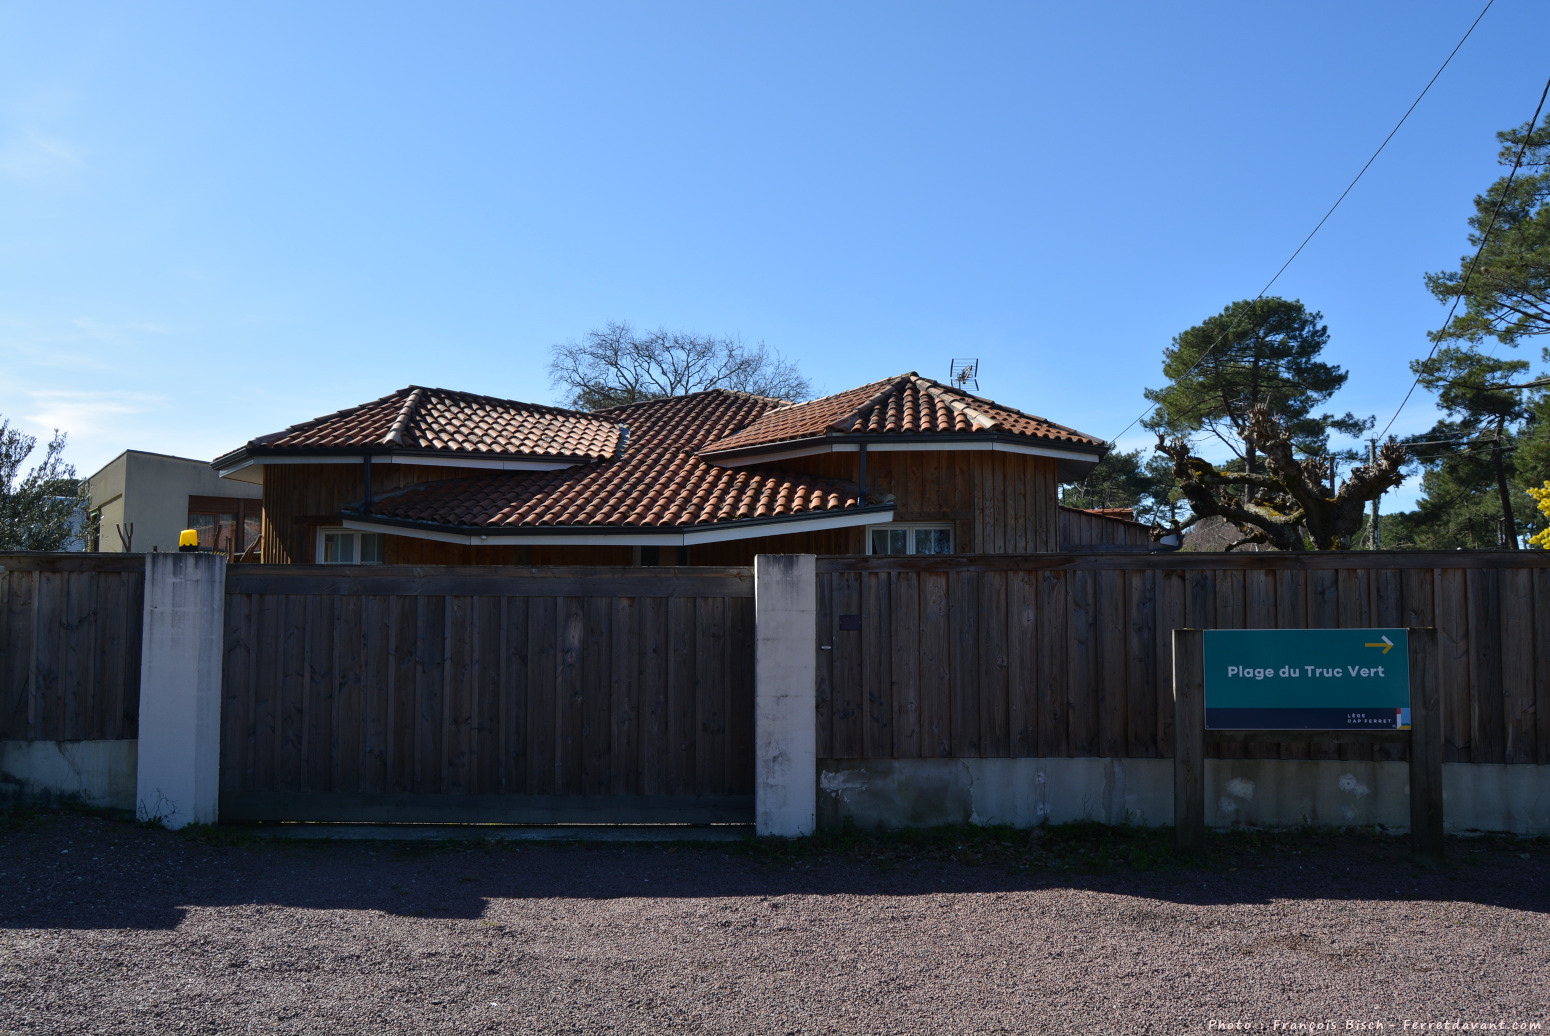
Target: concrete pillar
[[180, 688], [785, 595]]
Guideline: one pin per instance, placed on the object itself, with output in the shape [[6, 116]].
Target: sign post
[[1310, 686]]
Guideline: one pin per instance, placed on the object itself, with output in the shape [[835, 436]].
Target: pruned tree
[[1286, 504], [616, 366], [43, 509], [1255, 353]]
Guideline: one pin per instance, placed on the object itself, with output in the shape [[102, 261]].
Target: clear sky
[[220, 219]]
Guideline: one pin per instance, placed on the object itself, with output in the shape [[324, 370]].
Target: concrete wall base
[[98, 773], [1262, 793]]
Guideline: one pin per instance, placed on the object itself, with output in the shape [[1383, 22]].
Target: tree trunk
[[1501, 487]]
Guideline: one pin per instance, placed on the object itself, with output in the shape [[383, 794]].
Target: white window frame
[[355, 534], [909, 541]]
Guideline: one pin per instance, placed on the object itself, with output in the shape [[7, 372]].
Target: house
[[906, 465], [141, 501]]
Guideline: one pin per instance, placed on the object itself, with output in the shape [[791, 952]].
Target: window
[[226, 524], [348, 547], [909, 539]]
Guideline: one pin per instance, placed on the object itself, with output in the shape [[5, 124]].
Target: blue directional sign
[[1356, 679]]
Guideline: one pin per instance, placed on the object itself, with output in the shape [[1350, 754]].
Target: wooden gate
[[488, 695]]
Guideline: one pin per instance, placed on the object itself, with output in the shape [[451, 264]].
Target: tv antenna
[[965, 374]]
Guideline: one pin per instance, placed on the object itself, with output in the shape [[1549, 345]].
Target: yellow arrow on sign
[[1387, 645]]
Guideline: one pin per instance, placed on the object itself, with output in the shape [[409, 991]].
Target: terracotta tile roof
[[417, 418], [657, 481], [905, 405]]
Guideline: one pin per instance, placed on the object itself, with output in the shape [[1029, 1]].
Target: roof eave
[[227, 465], [1079, 457], [625, 536]]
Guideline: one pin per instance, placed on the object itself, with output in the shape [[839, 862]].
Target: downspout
[[861, 474], [366, 469]]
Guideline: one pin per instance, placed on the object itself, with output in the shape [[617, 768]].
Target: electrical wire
[[1201, 358], [1469, 270]]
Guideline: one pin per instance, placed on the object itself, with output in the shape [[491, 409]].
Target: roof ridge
[[395, 434], [981, 420], [843, 422], [503, 401], [658, 400], [310, 422]]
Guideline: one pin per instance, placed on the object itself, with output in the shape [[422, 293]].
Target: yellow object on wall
[[188, 538]]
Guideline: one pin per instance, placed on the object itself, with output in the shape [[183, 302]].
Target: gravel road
[[110, 928]]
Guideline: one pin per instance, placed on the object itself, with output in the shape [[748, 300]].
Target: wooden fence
[[1049, 655], [482, 693], [70, 646]]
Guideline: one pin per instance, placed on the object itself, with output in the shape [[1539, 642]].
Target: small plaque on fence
[[1354, 679]]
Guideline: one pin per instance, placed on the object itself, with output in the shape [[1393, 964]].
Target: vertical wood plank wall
[[70, 646], [530, 681], [1072, 655], [1080, 529]]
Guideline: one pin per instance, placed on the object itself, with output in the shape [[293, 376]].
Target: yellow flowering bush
[[1542, 537]]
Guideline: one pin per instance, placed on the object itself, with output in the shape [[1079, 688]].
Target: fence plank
[[430, 716], [1140, 654], [904, 636], [318, 740], [514, 705], [845, 702], [1022, 675], [1082, 676], [1111, 649], [376, 692], [936, 730], [1486, 717], [624, 682], [823, 674], [681, 676], [404, 697], [1053, 652], [1453, 662], [964, 705], [710, 698], [1517, 666], [740, 714], [596, 663], [1541, 662], [569, 696], [877, 658], [291, 766], [458, 698], [994, 708], [655, 729]]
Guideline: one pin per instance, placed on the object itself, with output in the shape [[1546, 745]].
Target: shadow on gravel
[[71, 872]]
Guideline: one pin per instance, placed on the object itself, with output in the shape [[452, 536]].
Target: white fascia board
[[882, 445], [633, 538], [989, 445], [811, 450], [429, 460], [244, 471], [486, 463]]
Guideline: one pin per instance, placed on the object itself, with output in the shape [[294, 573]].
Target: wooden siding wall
[[998, 503], [1071, 656], [1080, 529], [469, 681], [70, 646]]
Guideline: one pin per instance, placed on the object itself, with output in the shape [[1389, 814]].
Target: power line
[[1201, 358], [1470, 269]]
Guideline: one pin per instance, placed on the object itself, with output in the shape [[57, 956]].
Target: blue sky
[[217, 220]]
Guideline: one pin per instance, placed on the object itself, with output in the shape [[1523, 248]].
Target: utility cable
[[1470, 269], [1201, 358]]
